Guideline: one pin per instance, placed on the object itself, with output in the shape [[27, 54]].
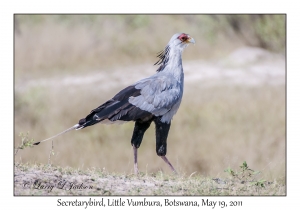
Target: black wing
[[117, 108]]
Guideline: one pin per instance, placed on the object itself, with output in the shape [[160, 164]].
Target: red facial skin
[[183, 37]]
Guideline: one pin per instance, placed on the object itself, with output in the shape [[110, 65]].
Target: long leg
[[136, 170], [162, 131], [138, 133]]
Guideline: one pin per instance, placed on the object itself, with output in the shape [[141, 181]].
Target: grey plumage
[[156, 98], [159, 95]]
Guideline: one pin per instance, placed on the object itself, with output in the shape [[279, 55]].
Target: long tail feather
[[69, 129]]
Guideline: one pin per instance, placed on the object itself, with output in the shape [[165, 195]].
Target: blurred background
[[233, 109]]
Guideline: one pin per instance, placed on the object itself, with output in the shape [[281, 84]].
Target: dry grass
[[49, 180], [49, 44], [222, 126]]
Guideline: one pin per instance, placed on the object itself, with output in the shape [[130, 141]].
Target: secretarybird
[[156, 98]]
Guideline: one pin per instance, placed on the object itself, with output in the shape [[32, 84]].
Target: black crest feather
[[163, 58]]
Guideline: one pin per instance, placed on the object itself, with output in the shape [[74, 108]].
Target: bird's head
[[176, 45], [181, 40]]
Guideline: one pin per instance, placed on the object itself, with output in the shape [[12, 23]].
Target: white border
[[8, 8]]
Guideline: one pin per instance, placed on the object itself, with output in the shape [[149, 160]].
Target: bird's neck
[[174, 65]]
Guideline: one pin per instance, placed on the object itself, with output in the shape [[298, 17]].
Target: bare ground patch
[[49, 180]]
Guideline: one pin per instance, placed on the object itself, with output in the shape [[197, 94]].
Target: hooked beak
[[191, 40]]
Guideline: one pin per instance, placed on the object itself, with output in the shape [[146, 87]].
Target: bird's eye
[[182, 37]]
